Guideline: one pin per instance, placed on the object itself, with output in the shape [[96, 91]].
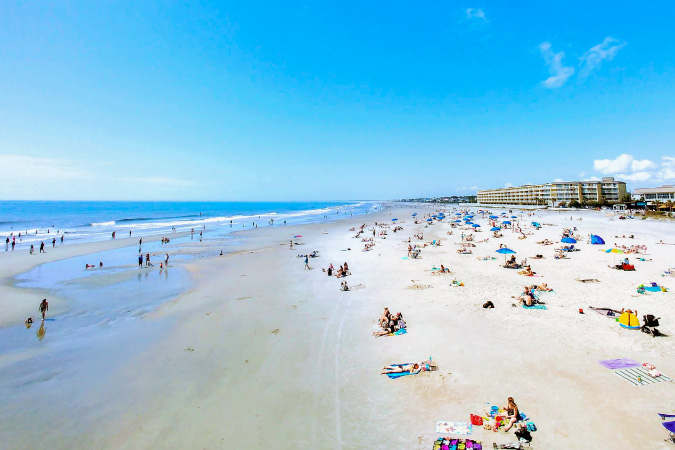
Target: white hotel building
[[555, 193]]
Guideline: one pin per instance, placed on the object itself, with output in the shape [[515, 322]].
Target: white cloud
[[473, 188], [53, 178], [605, 51], [557, 180], [508, 185], [623, 163], [559, 73], [475, 13], [627, 168]]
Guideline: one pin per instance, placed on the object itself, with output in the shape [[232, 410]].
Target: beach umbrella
[[505, 251], [495, 229], [457, 221], [414, 214], [506, 222], [494, 217], [614, 250], [430, 220], [568, 240], [475, 225], [394, 220], [536, 224], [297, 236], [458, 214], [514, 217]]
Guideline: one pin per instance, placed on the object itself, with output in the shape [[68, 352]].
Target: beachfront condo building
[[657, 194], [555, 193]]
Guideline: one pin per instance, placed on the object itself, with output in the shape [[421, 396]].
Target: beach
[[252, 350]]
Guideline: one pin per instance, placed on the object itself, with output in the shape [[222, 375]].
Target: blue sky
[[313, 100]]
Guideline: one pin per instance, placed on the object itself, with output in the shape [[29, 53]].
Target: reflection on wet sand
[[41, 331]]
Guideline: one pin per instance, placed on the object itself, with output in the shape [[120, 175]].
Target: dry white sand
[[264, 354]]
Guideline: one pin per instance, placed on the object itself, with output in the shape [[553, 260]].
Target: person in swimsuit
[[44, 307], [511, 413]]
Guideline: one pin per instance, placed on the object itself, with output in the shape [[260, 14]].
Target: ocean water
[[89, 221]]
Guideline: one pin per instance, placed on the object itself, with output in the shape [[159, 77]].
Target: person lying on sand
[[444, 269], [422, 366]]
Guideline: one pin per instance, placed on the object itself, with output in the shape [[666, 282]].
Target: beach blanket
[[639, 376], [535, 307], [621, 363], [606, 312], [652, 288], [450, 443], [453, 427], [398, 333], [400, 374]]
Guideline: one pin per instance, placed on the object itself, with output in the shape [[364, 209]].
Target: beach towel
[[652, 288], [398, 333], [621, 363], [640, 377], [453, 427], [400, 374], [535, 307]]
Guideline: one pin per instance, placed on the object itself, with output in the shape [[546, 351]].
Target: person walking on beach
[[166, 260], [42, 247], [44, 307], [113, 235], [307, 262], [62, 239], [53, 242], [140, 260], [31, 249]]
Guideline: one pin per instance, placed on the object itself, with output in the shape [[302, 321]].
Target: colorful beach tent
[[595, 239], [629, 320]]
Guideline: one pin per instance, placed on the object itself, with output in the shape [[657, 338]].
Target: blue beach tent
[[595, 239]]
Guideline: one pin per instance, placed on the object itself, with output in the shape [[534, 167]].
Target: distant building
[[553, 194], [661, 194]]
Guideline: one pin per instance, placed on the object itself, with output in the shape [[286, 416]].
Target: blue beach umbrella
[[430, 220], [494, 217], [505, 251], [475, 225], [506, 222], [536, 224], [514, 217], [495, 229], [568, 240], [394, 220], [414, 214]]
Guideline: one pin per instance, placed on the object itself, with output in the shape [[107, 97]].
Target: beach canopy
[[568, 240], [394, 220], [506, 222], [505, 251], [475, 225], [494, 217], [495, 229], [629, 320], [595, 239], [613, 250]]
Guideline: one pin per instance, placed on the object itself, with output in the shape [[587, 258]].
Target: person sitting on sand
[[29, 320], [344, 286], [527, 272], [400, 323], [526, 298], [444, 269], [384, 318], [510, 413]]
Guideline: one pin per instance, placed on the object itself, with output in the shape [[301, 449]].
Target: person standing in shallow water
[[44, 307], [42, 247]]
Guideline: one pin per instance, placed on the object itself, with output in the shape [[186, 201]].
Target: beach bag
[[476, 420], [650, 320]]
